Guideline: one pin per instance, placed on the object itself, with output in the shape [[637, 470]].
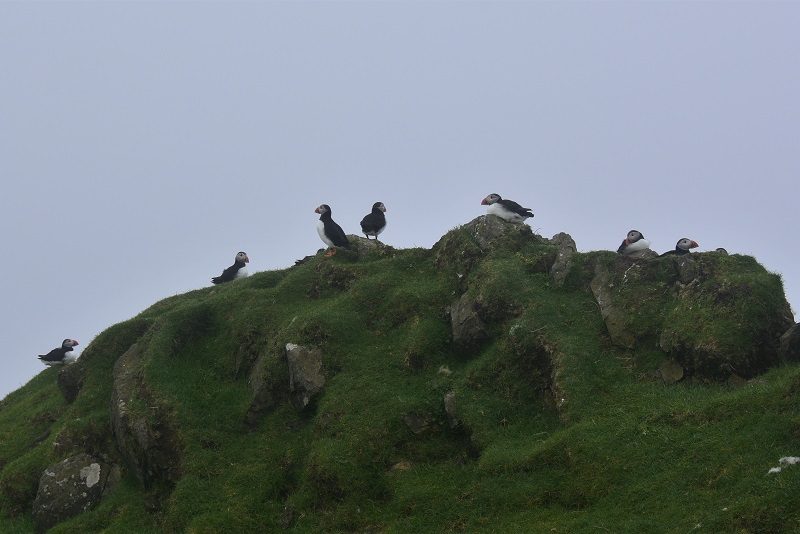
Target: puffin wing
[[55, 355], [336, 234], [370, 223], [227, 275], [512, 206]]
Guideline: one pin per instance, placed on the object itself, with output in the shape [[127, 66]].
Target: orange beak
[[484, 203], [694, 244]]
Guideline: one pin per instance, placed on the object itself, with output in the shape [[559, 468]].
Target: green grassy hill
[[547, 407]]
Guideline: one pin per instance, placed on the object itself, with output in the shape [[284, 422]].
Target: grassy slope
[[625, 454]]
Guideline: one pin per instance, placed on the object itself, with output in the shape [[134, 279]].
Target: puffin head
[[323, 209], [241, 257], [68, 344], [379, 206], [633, 237], [685, 244], [491, 199]]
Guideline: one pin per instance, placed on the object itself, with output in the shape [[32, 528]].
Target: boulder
[[790, 344], [142, 430], [361, 246], [417, 423], [68, 488], [306, 379], [566, 249], [670, 371], [468, 329]]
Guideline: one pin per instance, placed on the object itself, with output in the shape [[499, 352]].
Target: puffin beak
[[316, 210], [246, 259], [76, 343], [483, 202], [383, 209], [627, 241], [694, 244]]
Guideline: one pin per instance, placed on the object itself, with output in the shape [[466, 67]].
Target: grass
[[557, 430]]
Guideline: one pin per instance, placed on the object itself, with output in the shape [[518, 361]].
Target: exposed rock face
[[306, 379], [140, 424], [69, 488], [451, 409], [467, 326], [563, 262], [70, 380], [615, 317], [790, 344]]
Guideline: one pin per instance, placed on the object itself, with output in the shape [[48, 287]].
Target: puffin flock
[[373, 224]]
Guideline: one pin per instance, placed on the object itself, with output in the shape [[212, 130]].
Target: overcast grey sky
[[142, 144]]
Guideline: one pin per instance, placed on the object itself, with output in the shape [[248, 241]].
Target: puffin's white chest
[[241, 273], [321, 232], [638, 246], [503, 213]]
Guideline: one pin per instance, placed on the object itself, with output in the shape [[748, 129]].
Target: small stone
[[402, 465], [671, 371]]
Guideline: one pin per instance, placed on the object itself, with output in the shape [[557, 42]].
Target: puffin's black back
[[228, 274], [55, 355], [334, 231], [512, 206], [374, 221]]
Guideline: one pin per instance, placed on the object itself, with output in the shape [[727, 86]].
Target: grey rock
[[362, 246], [141, 426], [306, 379], [68, 488], [790, 344], [615, 318], [467, 327], [670, 371], [488, 229], [416, 423], [563, 262], [450, 409], [687, 268]]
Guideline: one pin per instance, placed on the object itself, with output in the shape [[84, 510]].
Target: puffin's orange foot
[[331, 252]]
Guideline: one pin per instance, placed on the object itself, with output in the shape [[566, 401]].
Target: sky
[[142, 144]]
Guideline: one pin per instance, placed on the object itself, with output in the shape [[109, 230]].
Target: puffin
[[506, 209], [635, 242], [375, 222], [330, 232], [60, 356], [682, 247], [237, 270]]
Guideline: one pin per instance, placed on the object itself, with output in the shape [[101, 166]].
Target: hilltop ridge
[[500, 381]]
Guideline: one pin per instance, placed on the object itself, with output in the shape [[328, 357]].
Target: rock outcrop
[[306, 379], [68, 488], [142, 430], [566, 249], [468, 329], [790, 344]]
